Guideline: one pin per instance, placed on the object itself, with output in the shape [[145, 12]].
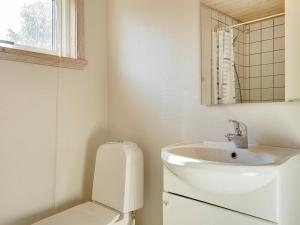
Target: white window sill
[[41, 58]]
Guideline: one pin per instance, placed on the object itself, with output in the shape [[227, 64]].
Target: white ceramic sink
[[221, 168]]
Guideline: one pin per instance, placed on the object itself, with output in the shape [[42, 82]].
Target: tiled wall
[[264, 61], [259, 52], [215, 19]]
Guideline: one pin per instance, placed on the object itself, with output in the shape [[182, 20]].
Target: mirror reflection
[[243, 53]]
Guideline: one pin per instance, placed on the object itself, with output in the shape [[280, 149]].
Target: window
[[28, 23], [51, 28]]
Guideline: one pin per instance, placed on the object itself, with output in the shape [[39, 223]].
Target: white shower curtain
[[223, 67]]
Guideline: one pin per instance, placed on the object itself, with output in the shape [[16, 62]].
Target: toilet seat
[[88, 213], [117, 189]]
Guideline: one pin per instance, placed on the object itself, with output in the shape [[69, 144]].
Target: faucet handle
[[239, 127], [240, 137], [229, 136]]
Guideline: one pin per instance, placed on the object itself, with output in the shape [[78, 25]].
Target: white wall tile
[[241, 71], [255, 59], [246, 49], [255, 26], [245, 95], [267, 33], [279, 43], [255, 82], [255, 36], [279, 31], [236, 48], [267, 94], [279, 81], [246, 83], [267, 70], [255, 47], [279, 93], [241, 48], [240, 60], [279, 68], [247, 37], [255, 71], [255, 95], [267, 23], [279, 56], [267, 82], [267, 57], [279, 20], [246, 72], [247, 61], [267, 46]]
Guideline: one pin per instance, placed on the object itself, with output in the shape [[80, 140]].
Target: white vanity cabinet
[[184, 211], [205, 185]]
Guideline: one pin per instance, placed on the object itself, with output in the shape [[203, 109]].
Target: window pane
[[28, 22]]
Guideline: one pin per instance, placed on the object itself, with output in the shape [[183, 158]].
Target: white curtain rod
[[253, 21]]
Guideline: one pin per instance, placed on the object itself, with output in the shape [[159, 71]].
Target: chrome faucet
[[240, 136]]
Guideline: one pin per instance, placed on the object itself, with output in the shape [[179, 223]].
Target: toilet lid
[[85, 214]]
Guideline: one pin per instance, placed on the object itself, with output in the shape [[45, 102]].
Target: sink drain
[[234, 155]]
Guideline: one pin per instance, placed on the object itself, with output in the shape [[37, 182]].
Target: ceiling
[[246, 10]]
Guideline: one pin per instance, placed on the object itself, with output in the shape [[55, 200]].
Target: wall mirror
[[243, 51]]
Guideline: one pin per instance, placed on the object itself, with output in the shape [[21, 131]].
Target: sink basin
[[220, 167]]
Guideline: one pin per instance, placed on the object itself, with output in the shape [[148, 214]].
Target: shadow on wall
[[96, 138], [90, 159], [94, 141]]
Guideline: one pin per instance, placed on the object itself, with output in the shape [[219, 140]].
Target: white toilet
[[117, 190]]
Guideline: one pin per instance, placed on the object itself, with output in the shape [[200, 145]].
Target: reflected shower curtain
[[223, 67]]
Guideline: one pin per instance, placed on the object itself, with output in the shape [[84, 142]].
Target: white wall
[[154, 100], [51, 123], [292, 50]]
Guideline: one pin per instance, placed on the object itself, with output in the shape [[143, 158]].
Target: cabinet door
[[184, 211]]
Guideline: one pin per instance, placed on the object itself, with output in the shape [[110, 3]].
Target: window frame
[[51, 58]]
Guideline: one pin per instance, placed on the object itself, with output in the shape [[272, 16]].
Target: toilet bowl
[[117, 189]]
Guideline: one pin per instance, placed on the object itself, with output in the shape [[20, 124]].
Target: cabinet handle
[[166, 203]]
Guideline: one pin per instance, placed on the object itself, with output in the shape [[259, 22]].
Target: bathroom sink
[[220, 167]]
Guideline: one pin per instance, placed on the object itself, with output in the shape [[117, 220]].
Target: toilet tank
[[119, 176]]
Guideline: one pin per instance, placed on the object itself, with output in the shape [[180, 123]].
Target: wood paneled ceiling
[[246, 10]]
